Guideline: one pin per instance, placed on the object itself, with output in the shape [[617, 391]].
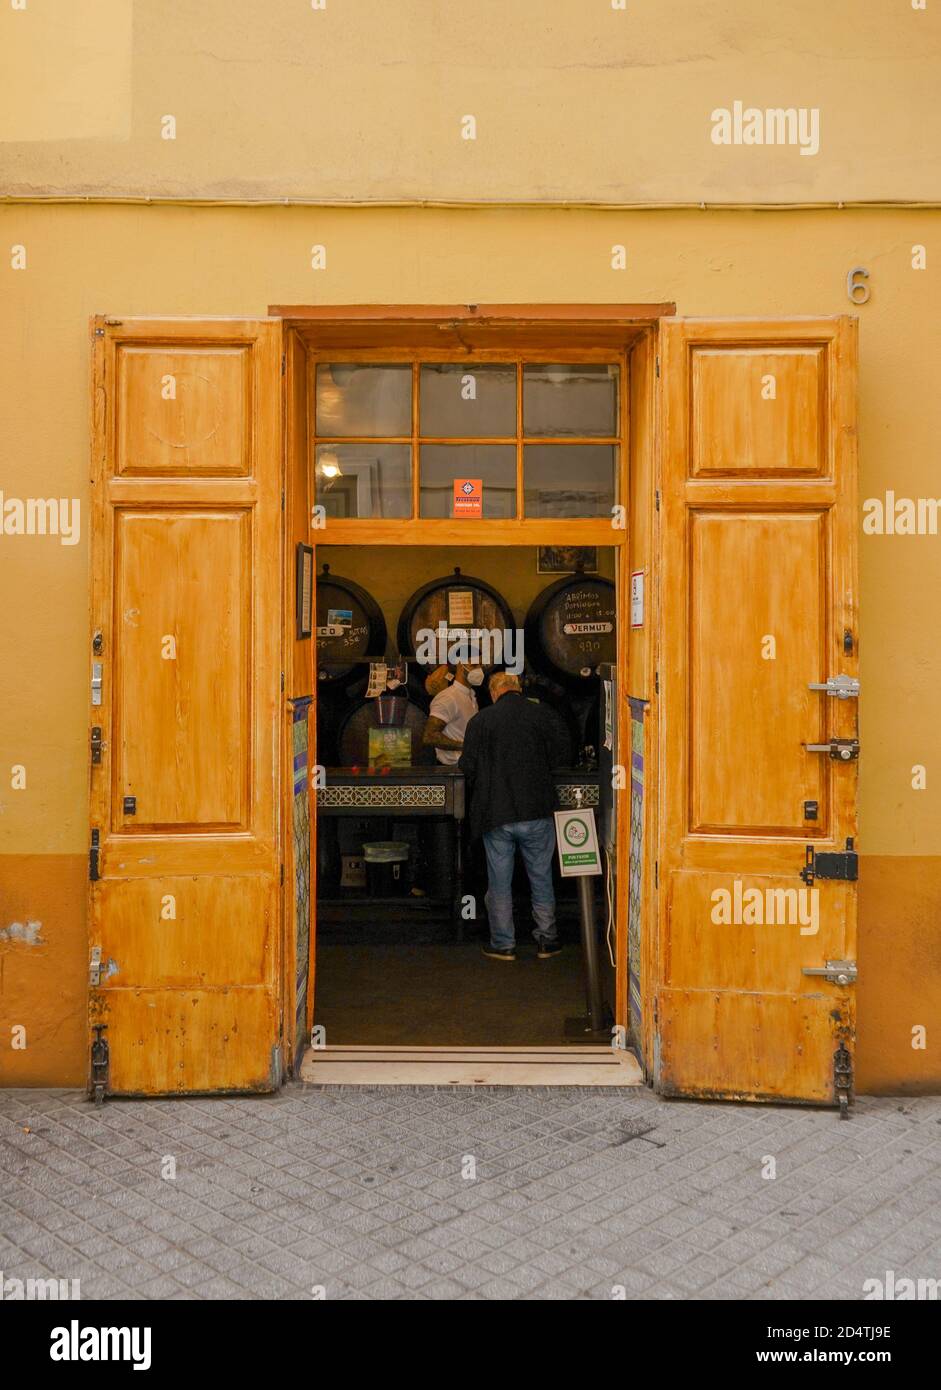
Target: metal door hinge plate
[[93, 853], [94, 966], [843, 1080], [100, 1063]]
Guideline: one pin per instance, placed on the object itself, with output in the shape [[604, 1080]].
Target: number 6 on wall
[[856, 290]]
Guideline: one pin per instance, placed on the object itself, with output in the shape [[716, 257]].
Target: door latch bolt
[[841, 750], [842, 865], [843, 687], [838, 972]]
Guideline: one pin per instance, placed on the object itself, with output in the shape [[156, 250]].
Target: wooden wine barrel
[[571, 627], [353, 736], [351, 630], [453, 599]]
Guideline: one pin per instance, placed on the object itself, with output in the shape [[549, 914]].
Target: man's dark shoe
[[499, 952], [545, 950]]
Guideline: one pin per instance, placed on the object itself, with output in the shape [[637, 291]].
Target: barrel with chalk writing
[[351, 630], [570, 628], [469, 618]]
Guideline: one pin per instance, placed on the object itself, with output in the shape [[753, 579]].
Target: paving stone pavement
[[461, 1193]]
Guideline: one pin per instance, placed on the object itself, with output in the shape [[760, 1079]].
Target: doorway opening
[[475, 470], [401, 884]]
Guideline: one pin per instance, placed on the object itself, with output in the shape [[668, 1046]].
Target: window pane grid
[[587, 489]]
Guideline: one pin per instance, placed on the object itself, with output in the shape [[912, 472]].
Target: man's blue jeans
[[536, 839]]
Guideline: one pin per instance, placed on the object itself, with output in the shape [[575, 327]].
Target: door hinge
[[842, 865], [838, 972], [277, 1067], [843, 1080], [100, 1063], [96, 743], [94, 967], [94, 851]]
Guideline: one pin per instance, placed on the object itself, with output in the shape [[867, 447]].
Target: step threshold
[[362, 1065]]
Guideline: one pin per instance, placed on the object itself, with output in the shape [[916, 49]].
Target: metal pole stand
[[596, 1027]]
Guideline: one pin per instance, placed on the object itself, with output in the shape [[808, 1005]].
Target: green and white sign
[[576, 836]]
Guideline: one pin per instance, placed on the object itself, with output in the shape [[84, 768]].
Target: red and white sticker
[[468, 497]]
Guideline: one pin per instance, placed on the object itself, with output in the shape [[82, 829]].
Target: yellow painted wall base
[[899, 990], [42, 987]]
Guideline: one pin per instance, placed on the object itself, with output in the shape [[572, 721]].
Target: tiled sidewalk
[[347, 1192]]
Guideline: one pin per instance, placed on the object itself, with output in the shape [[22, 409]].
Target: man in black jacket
[[509, 752]]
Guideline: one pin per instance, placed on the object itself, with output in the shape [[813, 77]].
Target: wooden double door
[[753, 605]]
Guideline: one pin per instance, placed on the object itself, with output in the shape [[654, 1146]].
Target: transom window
[[396, 439]]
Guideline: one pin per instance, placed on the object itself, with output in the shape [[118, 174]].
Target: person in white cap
[[453, 706]]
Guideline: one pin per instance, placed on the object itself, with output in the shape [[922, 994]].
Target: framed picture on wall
[[565, 559], [304, 589]]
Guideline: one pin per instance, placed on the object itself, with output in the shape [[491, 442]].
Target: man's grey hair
[[502, 681]]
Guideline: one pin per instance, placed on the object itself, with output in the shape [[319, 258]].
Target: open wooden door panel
[[759, 605], [184, 855]]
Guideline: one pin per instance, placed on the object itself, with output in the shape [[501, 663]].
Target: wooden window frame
[[518, 530]]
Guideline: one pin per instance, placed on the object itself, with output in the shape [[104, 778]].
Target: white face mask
[[475, 675]]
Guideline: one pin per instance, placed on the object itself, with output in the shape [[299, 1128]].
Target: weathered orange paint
[[42, 987], [899, 974]]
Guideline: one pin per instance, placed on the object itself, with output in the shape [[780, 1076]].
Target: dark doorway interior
[[398, 950], [405, 995]]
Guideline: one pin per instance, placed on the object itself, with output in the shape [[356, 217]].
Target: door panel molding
[[759, 599], [186, 602]]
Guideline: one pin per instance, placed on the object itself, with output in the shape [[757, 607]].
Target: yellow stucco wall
[[176, 261], [366, 99]]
